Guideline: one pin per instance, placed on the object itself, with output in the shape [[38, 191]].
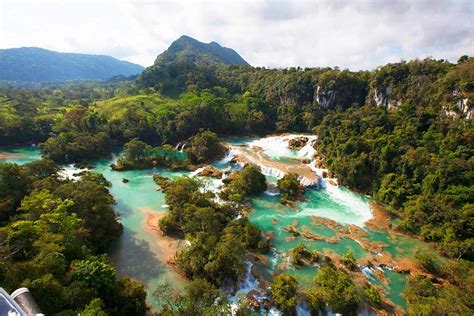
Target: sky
[[319, 33]]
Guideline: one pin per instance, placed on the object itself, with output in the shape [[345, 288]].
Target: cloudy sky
[[348, 34]]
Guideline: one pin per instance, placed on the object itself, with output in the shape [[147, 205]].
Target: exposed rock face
[[297, 142], [463, 104], [210, 171], [382, 98], [325, 99]]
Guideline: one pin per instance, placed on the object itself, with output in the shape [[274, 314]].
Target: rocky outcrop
[[463, 104], [459, 106], [324, 98], [298, 142], [210, 171], [382, 98]]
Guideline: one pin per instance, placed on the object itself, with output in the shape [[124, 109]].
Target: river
[[139, 253]]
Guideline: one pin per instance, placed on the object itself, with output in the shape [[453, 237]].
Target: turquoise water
[[138, 255]]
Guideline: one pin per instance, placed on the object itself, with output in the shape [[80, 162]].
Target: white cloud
[[348, 34]]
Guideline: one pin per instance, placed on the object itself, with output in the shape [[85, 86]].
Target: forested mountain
[[36, 64], [187, 62], [188, 49]]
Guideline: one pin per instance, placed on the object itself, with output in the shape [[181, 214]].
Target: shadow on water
[[133, 258]]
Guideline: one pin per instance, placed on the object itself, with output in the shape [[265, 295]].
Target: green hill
[[36, 64], [188, 49]]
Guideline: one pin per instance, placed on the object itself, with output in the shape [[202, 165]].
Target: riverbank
[[5, 156]]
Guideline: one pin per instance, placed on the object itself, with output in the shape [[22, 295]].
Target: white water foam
[[277, 146]]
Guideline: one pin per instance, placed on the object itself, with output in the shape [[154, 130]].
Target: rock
[[210, 171], [297, 142], [161, 181], [267, 304], [125, 180], [332, 182], [84, 165], [325, 174], [80, 173], [230, 178], [252, 299], [292, 229], [319, 162], [234, 160]]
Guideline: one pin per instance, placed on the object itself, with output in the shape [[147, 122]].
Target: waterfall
[[272, 172], [182, 148], [302, 309], [196, 172], [307, 182]]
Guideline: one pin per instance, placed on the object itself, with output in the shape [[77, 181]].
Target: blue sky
[[348, 34]]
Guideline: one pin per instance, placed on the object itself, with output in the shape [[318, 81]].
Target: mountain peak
[[188, 49]]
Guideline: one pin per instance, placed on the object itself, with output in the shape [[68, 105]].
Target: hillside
[[188, 49], [34, 64]]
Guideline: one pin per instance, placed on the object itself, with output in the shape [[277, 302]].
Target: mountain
[[188, 49], [36, 64]]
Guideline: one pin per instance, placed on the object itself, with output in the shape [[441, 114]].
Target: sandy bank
[[4, 156], [167, 246]]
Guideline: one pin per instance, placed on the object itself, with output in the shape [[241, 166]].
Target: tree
[[426, 260], [14, 184], [131, 298], [334, 288], [249, 181], [48, 293], [96, 273], [289, 186], [204, 147], [300, 253], [284, 293], [349, 260], [373, 296], [94, 308], [136, 149]]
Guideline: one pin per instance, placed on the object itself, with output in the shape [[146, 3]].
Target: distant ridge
[[35, 64], [188, 49]]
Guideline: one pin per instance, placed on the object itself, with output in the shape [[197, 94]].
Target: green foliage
[[48, 242], [300, 253], [349, 261], [218, 242], [14, 185], [450, 299], [74, 146], [94, 308], [334, 288], [248, 181], [198, 298], [139, 155], [284, 291], [95, 273], [204, 147], [417, 163], [426, 260], [373, 296], [289, 187]]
